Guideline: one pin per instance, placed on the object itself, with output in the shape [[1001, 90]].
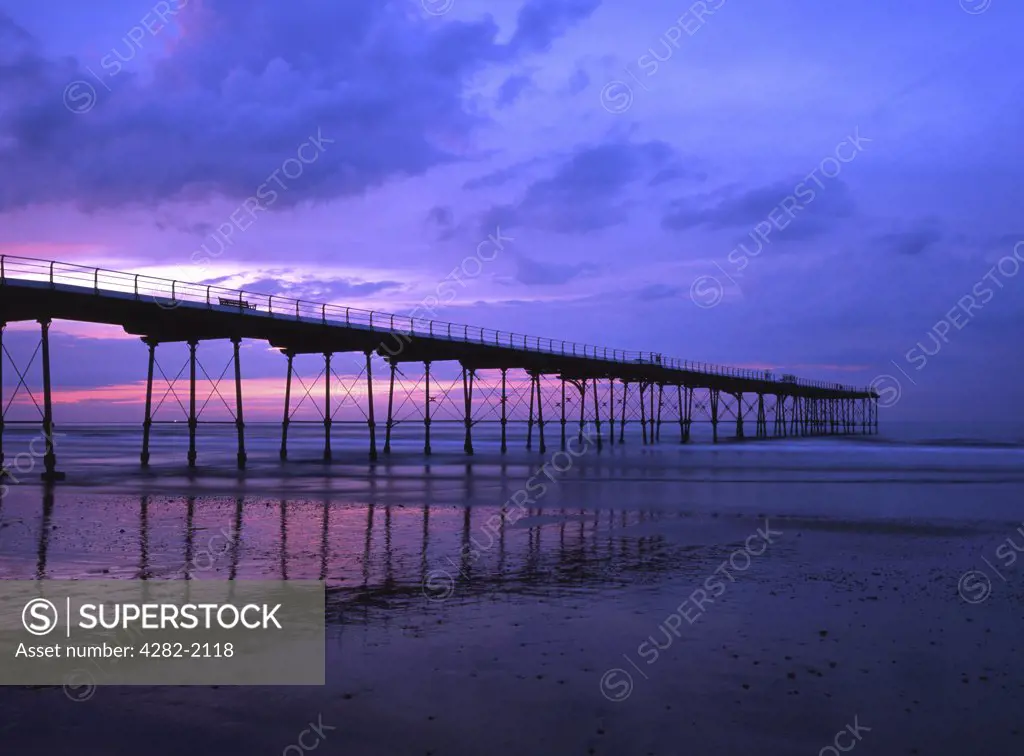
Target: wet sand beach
[[756, 599]]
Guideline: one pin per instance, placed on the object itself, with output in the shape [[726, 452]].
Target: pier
[[507, 378]]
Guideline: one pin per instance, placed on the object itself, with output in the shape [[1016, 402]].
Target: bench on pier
[[239, 303]]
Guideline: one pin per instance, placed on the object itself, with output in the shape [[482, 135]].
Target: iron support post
[[287, 408], [50, 473], [426, 411], [193, 420], [369, 407], [239, 419], [327, 407], [391, 404], [147, 422]]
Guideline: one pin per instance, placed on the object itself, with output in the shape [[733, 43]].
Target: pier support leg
[[661, 393], [622, 422], [147, 422], [49, 458], [391, 404], [689, 412], [583, 410], [3, 469], [529, 427], [597, 413], [679, 401], [327, 407], [193, 420], [426, 411], [611, 412], [739, 414], [287, 408], [643, 413], [540, 416], [369, 408], [504, 415], [714, 415], [239, 419], [762, 421], [563, 421], [467, 397]]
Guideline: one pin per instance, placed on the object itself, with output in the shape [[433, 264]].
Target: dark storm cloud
[[587, 190], [200, 229], [503, 176], [542, 21], [654, 292], [579, 81], [317, 288], [911, 243], [512, 89], [245, 85], [815, 209], [535, 273], [441, 215], [441, 219], [676, 173]]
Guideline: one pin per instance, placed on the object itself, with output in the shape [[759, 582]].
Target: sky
[[826, 189]]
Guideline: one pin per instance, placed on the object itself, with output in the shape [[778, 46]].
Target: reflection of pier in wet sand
[[371, 555]]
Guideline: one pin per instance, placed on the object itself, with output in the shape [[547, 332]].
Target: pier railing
[[169, 293]]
